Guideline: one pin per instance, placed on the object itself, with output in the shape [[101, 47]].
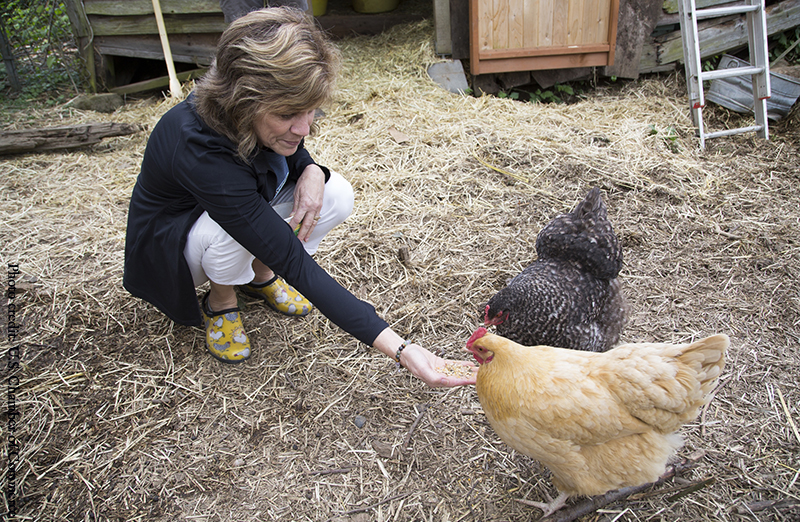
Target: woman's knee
[[212, 254], [339, 197]]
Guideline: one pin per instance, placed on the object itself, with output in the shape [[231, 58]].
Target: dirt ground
[[123, 416]]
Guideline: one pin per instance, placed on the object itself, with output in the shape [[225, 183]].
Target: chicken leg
[[548, 508]]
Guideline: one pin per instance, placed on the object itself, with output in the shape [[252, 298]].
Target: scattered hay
[[124, 417]]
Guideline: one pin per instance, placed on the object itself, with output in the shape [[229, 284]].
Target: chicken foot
[[548, 507]]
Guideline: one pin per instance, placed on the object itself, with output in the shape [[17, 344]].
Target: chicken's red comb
[[477, 334], [486, 315]]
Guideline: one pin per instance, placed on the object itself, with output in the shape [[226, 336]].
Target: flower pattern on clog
[[226, 339], [281, 297]]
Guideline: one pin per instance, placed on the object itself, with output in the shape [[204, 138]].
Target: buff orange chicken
[[599, 421]]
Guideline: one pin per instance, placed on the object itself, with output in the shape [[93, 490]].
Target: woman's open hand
[[435, 371]]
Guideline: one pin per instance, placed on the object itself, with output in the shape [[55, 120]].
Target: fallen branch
[[68, 137], [590, 505], [414, 425], [754, 507], [691, 488]]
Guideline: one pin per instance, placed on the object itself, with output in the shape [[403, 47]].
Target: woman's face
[[283, 132]]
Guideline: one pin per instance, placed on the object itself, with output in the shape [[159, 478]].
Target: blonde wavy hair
[[270, 61]]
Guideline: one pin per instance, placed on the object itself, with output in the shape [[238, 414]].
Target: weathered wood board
[[67, 137], [718, 36], [637, 20]]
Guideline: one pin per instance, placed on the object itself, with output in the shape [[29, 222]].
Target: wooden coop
[[503, 43], [119, 39]]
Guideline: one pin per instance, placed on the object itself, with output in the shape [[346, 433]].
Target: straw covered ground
[[125, 417]]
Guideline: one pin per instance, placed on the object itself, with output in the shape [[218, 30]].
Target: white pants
[[214, 255]]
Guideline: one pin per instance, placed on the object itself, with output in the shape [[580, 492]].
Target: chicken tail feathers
[[584, 237], [706, 358], [683, 385], [592, 205]]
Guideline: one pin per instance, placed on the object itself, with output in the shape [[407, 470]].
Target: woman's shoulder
[[180, 115], [183, 122]]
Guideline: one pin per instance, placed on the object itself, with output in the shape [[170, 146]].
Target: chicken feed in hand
[[599, 421], [570, 296]]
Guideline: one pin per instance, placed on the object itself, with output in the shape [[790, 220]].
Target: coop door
[[528, 35]]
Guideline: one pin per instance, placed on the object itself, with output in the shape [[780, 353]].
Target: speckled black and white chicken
[[570, 297]]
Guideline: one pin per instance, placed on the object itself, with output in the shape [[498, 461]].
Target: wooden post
[[83, 34]]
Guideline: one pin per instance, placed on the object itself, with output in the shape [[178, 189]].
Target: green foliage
[[554, 95], [510, 96], [668, 136], [710, 64], [45, 54], [786, 41], [551, 96]]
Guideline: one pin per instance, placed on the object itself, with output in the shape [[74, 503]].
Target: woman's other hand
[[308, 196]]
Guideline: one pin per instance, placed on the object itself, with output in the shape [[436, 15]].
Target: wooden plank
[[603, 20], [516, 24], [145, 7], [499, 21], [589, 27], [484, 22], [531, 24], [476, 36], [560, 23], [157, 83], [129, 25], [495, 54], [545, 36], [534, 63], [575, 22], [727, 34], [186, 48], [613, 29]]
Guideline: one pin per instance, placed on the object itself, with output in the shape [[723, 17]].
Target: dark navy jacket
[[188, 168]]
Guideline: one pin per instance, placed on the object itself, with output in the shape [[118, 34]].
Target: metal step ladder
[[759, 70]]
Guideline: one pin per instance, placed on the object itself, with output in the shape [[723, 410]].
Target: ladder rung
[[758, 71], [717, 12], [731, 132], [728, 73]]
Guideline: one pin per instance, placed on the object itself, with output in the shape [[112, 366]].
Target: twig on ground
[[371, 506], [346, 469], [414, 425], [592, 504], [788, 415], [761, 505]]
